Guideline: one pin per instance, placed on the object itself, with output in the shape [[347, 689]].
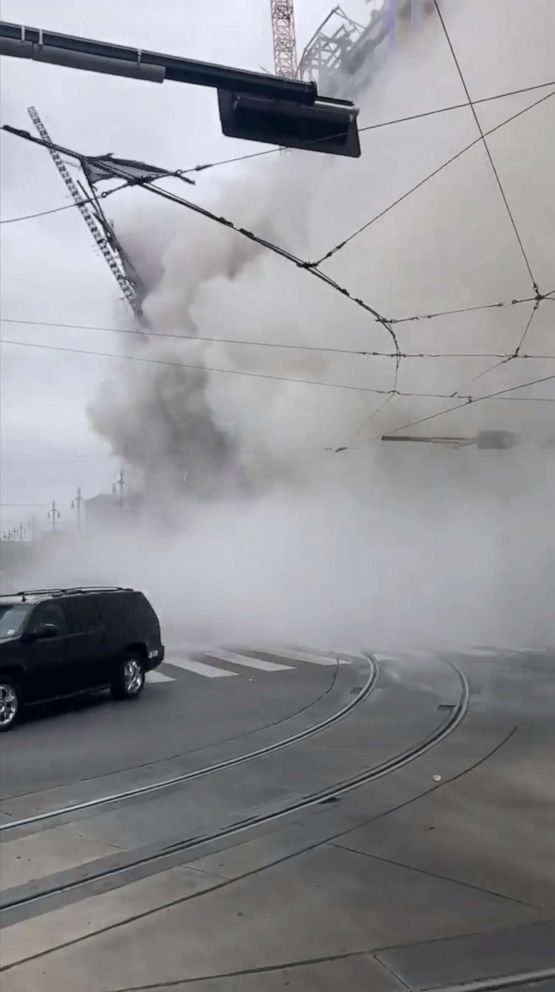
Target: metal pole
[[76, 505], [97, 56], [119, 484], [54, 513]]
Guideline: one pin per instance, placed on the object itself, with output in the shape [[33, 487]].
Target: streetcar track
[[335, 791], [167, 783], [18, 796]]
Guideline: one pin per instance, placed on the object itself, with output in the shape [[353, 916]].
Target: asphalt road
[[438, 872], [75, 740]]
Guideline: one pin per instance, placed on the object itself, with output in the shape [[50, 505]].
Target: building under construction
[[342, 52]]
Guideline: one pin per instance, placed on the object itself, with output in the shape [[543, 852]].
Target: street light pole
[[119, 484], [76, 505], [54, 515]]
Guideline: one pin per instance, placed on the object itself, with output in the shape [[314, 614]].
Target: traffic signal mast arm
[[99, 56], [253, 106]]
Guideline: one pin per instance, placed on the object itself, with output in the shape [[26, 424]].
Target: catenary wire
[[486, 146], [203, 339], [179, 173], [276, 249], [237, 372], [67, 206], [477, 399], [505, 359], [389, 394], [449, 313], [275, 378], [342, 244], [372, 127]]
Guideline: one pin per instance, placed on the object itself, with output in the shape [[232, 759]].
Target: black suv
[[60, 642]]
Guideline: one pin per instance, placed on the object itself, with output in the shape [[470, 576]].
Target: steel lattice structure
[[340, 46], [104, 236], [285, 45]]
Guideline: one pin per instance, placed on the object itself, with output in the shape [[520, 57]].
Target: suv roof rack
[[64, 591]]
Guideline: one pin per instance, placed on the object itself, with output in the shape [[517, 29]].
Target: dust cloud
[[252, 525]]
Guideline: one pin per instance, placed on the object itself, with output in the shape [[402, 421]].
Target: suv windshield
[[12, 618]]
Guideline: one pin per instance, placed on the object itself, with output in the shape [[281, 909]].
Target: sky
[[51, 271]]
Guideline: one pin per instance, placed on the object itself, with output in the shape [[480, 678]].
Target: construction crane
[[103, 234], [283, 31]]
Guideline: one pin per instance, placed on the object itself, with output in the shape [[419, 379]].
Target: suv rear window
[[82, 614]]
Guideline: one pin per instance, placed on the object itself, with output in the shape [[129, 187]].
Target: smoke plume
[[278, 534]]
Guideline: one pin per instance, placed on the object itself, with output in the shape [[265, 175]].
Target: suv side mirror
[[45, 630]]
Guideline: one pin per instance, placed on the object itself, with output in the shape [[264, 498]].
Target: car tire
[[129, 678], [10, 703]]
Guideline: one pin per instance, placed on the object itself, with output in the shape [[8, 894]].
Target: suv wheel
[[130, 677], [10, 703]]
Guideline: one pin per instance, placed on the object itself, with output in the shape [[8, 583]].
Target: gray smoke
[[376, 543], [158, 417]]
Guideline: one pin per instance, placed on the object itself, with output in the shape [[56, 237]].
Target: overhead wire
[[276, 378], [478, 399], [180, 173], [454, 106], [449, 313], [276, 249], [237, 372], [486, 146], [67, 206], [526, 329], [205, 339], [387, 323], [342, 244], [45, 213], [371, 127], [534, 310], [505, 359]]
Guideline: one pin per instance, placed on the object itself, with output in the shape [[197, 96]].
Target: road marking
[[247, 661], [158, 677], [311, 659], [209, 671]]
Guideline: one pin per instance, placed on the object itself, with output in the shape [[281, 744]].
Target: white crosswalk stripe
[[247, 662], [199, 668], [209, 668], [155, 676]]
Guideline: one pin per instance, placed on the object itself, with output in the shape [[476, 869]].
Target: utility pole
[[54, 514], [76, 504], [21, 532], [119, 484], [33, 528]]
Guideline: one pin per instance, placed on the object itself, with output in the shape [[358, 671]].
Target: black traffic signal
[[327, 125]]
